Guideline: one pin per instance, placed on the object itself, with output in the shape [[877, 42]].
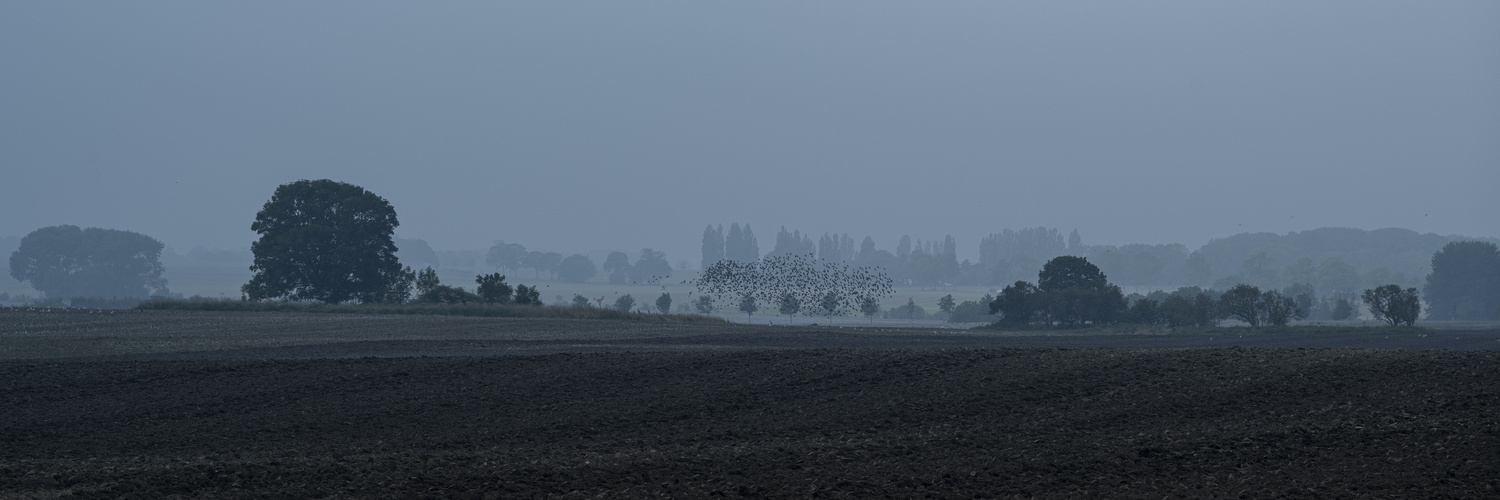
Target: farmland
[[163, 403]]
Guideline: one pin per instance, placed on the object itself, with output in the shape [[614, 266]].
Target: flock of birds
[[824, 287]]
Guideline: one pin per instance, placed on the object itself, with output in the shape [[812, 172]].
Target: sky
[[579, 126]]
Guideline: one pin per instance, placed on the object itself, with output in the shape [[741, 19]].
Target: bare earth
[[158, 404]]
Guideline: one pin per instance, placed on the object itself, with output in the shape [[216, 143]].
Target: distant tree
[[326, 241], [1464, 283], [1243, 302], [444, 294], [618, 267], [946, 303], [506, 256], [577, 268], [492, 288], [1146, 312], [580, 301], [1075, 291], [651, 267], [537, 261], [704, 304], [415, 253], [528, 296], [747, 306], [625, 303], [713, 245], [830, 304], [65, 262], [1342, 309], [789, 305], [427, 279], [740, 245], [1394, 305], [548, 262], [970, 311], [664, 303], [1190, 306], [1017, 303], [1278, 310], [870, 306]]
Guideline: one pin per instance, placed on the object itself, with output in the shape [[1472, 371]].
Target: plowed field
[[143, 411]]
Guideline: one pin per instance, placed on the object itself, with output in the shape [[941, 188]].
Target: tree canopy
[[67, 262], [327, 241], [1465, 282]]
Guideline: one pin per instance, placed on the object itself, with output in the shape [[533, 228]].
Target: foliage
[[1019, 303], [704, 305], [713, 245], [65, 261], [1394, 305], [910, 311], [492, 288], [326, 241], [576, 268], [506, 256], [789, 305], [869, 306], [617, 264], [970, 311], [651, 267], [415, 253], [664, 303], [1243, 303], [747, 305], [528, 296], [580, 301], [946, 303], [1465, 282], [444, 294], [1343, 309], [625, 303], [1075, 292], [1279, 309], [427, 279]]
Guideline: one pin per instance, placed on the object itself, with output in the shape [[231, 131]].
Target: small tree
[[1279, 309], [427, 279], [528, 295], [492, 288], [1342, 309], [789, 305], [870, 307], [580, 301], [1394, 305], [664, 303], [625, 303], [1243, 302], [747, 306], [946, 304], [704, 304], [576, 268]]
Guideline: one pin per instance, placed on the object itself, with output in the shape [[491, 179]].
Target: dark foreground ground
[[793, 423], [153, 406]]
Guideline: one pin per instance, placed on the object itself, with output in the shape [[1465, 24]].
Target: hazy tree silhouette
[[327, 241]]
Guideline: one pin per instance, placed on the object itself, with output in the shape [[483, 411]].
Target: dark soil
[[856, 423]]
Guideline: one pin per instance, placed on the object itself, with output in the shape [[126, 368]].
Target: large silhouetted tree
[[327, 241], [1465, 282], [577, 268], [66, 262]]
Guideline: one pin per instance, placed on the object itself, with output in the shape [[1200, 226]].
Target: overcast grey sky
[[574, 126]]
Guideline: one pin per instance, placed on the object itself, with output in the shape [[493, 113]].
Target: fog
[[586, 127]]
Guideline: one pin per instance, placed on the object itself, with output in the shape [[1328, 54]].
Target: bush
[[970, 311]]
